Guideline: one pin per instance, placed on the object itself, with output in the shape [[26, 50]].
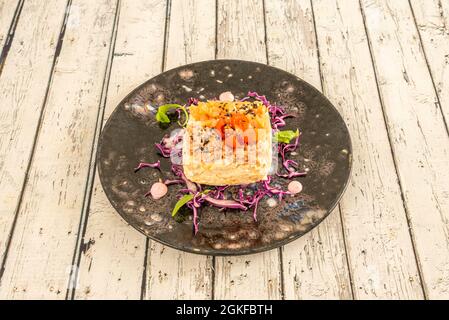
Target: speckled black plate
[[131, 131]]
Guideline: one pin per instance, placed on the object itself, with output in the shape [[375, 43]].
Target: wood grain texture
[[432, 19], [7, 10], [41, 250], [177, 275], [315, 266], [417, 132], [28, 66], [382, 261], [390, 82], [173, 274], [241, 36], [112, 245]]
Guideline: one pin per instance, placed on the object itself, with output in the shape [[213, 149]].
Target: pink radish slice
[[295, 187], [226, 96], [158, 190]]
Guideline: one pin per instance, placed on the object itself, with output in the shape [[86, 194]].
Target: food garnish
[[226, 96], [162, 117], [295, 187], [181, 202], [220, 115], [285, 136], [158, 190], [141, 165]]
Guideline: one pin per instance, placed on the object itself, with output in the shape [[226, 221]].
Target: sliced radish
[[158, 190], [226, 96], [295, 187]]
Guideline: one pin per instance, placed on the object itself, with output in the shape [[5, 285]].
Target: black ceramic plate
[[131, 131]]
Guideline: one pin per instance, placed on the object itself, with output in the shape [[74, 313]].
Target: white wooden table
[[65, 65]]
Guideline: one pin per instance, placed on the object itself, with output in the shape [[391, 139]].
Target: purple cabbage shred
[[141, 165]]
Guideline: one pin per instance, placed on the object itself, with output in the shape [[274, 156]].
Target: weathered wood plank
[[28, 66], [315, 266], [115, 246], [177, 275], [432, 19], [41, 250], [417, 133], [173, 274], [241, 36], [381, 257], [7, 11]]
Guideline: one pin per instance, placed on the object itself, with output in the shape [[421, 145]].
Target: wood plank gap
[[146, 260], [73, 277], [212, 294], [110, 242], [280, 257], [265, 31], [11, 32], [281, 260], [421, 43], [317, 47], [36, 135], [216, 34], [215, 57], [339, 208], [281, 272], [347, 257], [166, 34], [406, 210]]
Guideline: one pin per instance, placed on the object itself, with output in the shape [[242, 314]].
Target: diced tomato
[[239, 121], [220, 127], [216, 115]]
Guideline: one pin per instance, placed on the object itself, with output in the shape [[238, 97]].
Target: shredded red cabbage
[[231, 204], [195, 199], [177, 170], [256, 200], [141, 165], [259, 97], [291, 175], [168, 143], [164, 151], [287, 163], [191, 101], [174, 181], [219, 192], [195, 219]]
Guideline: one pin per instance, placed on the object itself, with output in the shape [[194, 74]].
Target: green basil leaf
[[181, 202], [161, 115], [285, 136]]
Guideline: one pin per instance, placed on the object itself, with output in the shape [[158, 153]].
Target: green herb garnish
[[285, 136], [181, 202], [161, 115]]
